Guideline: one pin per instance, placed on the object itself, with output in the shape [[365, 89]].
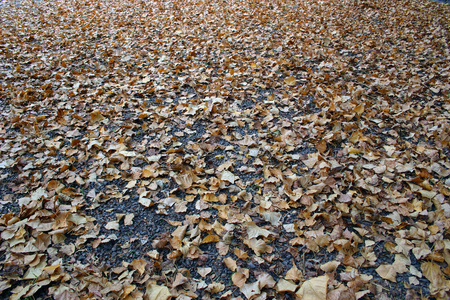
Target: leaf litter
[[224, 149]]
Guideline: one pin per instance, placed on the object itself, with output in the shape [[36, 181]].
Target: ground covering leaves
[[225, 149]]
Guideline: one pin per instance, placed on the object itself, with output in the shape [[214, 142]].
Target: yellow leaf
[[265, 280], [36, 271], [357, 136], [180, 232], [272, 217], [210, 238], [352, 150], [145, 201], [433, 273], [427, 194], [51, 269], [148, 172], [215, 287], [153, 254], [131, 184], [312, 160], [314, 289], [127, 290], [209, 197]]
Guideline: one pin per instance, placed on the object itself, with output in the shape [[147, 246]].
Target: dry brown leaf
[[139, 265], [286, 286], [330, 266], [204, 271], [215, 288], [230, 263], [180, 279], [253, 231], [128, 219], [250, 290], [96, 116], [157, 292], [291, 81], [387, 272], [258, 246], [239, 279], [294, 274], [228, 176], [314, 289]]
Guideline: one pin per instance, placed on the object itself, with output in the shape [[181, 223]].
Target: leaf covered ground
[[224, 149]]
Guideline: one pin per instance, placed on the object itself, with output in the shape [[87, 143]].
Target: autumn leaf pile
[[225, 149]]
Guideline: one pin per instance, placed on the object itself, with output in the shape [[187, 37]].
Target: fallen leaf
[[286, 286], [314, 289], [113, 225], [239, 279], [228, 176], [180, 279], [291, 81], [204, 271], [250, 289], [253, 231], [157, 292], [139, 265], [128, 220], [387, 272], [230, 263], [294, 274], [96, 116]]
